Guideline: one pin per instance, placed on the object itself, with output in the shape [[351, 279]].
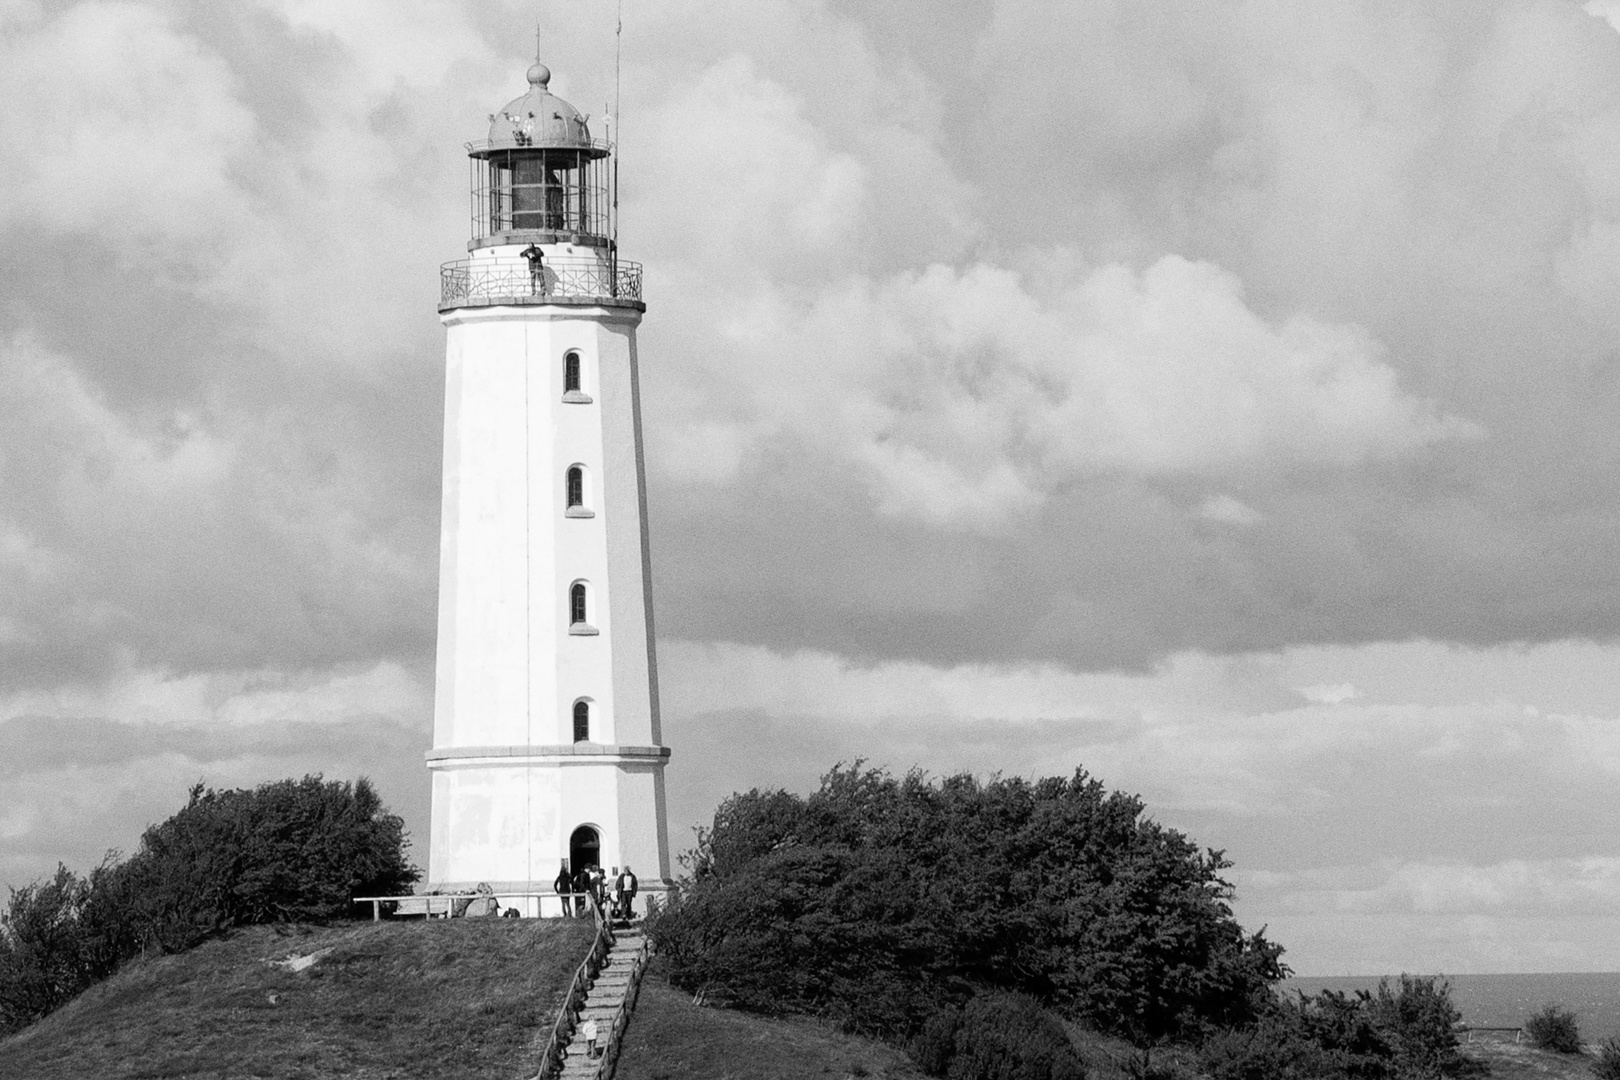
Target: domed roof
[[539, 118]]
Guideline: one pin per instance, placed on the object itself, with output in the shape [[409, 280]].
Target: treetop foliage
[[877, 899]]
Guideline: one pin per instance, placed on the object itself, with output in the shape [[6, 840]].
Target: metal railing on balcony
[[489, 280]]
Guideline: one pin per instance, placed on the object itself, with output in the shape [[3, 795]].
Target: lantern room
[[539, 177]]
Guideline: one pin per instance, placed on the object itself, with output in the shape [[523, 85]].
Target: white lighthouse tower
[[546, 742]]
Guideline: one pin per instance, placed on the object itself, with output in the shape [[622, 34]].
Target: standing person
[[598, 881], [626, 888], [613, 890], [537, 268], [565, 886], [587, 1031], [582, 888]]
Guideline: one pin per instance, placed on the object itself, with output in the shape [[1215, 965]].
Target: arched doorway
[[584, 848]]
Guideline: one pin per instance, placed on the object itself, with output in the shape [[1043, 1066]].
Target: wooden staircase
[[604, 990], [611, 999]]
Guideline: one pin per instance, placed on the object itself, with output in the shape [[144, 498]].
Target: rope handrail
[[563, 1029]]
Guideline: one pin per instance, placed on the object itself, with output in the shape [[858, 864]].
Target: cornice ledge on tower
[[547, 750], [545, 301]]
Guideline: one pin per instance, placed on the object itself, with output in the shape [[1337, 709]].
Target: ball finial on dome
[[539, 75]]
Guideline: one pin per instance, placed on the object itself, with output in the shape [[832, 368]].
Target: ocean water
[[1508, 1000]]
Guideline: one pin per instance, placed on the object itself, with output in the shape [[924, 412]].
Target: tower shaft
[[546, 742]]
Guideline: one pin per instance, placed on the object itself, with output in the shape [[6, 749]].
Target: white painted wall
[[508, 789]]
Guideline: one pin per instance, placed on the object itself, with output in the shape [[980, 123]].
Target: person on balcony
[[537, 268]]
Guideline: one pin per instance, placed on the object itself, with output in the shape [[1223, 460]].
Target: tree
[[40, 965], [876, 900], [289, 851]]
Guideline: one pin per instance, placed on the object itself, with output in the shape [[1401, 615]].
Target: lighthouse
[[546, 740]]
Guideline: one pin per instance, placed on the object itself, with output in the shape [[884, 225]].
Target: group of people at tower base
[[590, 883]]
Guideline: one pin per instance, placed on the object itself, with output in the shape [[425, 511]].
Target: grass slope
[[669, 1038], [1510, 1061], [449, 999]]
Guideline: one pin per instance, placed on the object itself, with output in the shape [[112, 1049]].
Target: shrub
[[1264, 1051], [1397, 1032], [935, 1044], [997, 1037], [1330, 1036], [1419, 1021], [1554, 1028], [1608, 1062]]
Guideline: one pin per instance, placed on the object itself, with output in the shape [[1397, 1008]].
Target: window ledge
[[581, 629], [574, 397], [579, 512]]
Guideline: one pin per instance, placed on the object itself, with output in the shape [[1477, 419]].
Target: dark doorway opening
[[584, 848]]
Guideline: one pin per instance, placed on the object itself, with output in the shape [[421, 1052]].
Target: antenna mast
[[613, 240]]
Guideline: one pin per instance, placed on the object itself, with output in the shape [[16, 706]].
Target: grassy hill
[[455, 1000], [448, 999]]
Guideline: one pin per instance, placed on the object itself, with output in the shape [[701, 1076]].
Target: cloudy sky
[[1222, 395]]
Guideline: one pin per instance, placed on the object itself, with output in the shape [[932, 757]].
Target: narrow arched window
[[582, 721], [576, 486], [576, 603], [571, 373]]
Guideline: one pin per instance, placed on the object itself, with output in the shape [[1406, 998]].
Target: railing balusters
[[497, 278]]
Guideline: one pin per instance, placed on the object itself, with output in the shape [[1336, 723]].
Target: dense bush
[[876, 900], [1608, 1062], [1401, 1032], [935, 1042], [997, 1037], [1555, 1029], [291, 851]]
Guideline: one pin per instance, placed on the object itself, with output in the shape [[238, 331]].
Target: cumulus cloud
[[1227, 510], [967, 398], [126, 121], [232, 698], [964, 395], [89, 766], [76, 788]]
